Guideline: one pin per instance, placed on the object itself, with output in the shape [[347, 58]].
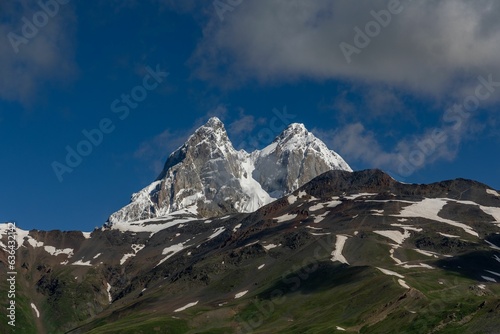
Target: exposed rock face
[[294, 158], [208, 177]]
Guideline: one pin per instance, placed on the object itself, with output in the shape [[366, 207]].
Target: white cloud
[[355, 143], [46, 57], [429, 47], [411, 153]]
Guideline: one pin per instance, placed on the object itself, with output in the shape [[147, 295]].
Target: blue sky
[[409, 94]]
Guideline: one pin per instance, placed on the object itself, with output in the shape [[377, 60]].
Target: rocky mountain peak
[[294, 130], [214, 122], [208, 176], [213, 132]]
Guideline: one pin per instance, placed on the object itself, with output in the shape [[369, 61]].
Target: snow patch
[[403, 283], [492, 192], [125, 257], [81, 263], [171, 251], [493, 246], [34, 243], [152, 225], [448, 235], [356, 196], [426, 253], [301, 194], [429, 208], [319, 234], [408, 227], [492, 272], [319, 219], [54, 251], [317, 207], [186, 307], [486, 278], [33, 306], [420, 265], [257, 197], [390, 272], [339, 246], [135, 248], [109, 292], [217, 231], [333, 204], [270, 246], [394, 235], [314, 228], [285, 218], [291, 199], [252, 243], [240, 294]]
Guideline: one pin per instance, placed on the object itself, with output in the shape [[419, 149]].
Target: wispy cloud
[[359, 145], [355, 143], [44, 57]]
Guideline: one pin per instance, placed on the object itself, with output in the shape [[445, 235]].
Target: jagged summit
[[209, 139], [208, 176], [213, 122], [212, 130], [291, 130]]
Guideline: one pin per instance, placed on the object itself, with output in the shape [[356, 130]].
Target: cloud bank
[[429, 46]]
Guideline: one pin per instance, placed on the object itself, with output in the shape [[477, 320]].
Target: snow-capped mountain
[[208, 177]]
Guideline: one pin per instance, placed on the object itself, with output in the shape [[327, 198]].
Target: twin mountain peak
[[208, 177]]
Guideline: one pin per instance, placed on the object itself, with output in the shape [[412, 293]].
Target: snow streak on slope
[[240, 294], [429, 208], [339, 246], [492, 192], [33, 306], [186, 307], [257, 197], [171, 251], [395, 236], [390, 272]]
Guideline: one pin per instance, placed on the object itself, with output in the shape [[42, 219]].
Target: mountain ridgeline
[[206, 171], [286, 239]]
